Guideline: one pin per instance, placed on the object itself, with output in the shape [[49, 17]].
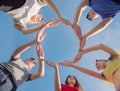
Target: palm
[[52, 64], [39, 51], [66, 63]]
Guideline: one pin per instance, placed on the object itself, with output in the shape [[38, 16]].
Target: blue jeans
[[6, 82]]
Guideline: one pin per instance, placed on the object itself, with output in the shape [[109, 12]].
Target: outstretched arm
[[41, 71], [38, 27], [83, 5], [57, 83], [53, 7], [83, 70], [98, 28], [95, 48], [17, 53]]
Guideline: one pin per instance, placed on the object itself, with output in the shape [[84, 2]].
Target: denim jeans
[[6, 83]]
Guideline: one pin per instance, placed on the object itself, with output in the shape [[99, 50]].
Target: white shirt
[[23, 14]]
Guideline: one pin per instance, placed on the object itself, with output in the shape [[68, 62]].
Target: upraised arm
[[57, 82], [38, 27], [17, 53], [53, 7], [98, 28], [82, 6], [95, 48], [83, 70], [41, 71]]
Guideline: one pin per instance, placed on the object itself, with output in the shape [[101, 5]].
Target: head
[[36, 18], [30, 63], [100, 64], [92, 15], [72, 81]]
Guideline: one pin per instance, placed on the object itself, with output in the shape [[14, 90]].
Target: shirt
[[105, 8], [18, 70]]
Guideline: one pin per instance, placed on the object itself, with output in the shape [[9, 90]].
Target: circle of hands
[[41, 35]]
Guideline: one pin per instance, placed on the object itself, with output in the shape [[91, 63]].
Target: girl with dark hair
[[71, 83]]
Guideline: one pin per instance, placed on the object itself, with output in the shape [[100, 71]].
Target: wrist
[[41, 60]]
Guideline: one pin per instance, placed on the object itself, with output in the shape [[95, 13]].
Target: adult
[[15, 72], [71, 83], [98, 8], [26, 12], [110, 66]]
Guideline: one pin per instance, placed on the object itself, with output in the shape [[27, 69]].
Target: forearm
[[89, 72], [33, 29], [51, 5], [83, 5], [57, 83], [41, 68], [23, 48], [77, 15], [99, 27], [40, 72], [103, 47]]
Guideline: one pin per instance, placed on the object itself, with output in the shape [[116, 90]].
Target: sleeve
[[29, 78], [13, 59]]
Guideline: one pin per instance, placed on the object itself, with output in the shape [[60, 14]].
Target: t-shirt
[[18, 70], [105, 8], [68, 88], [23, 14], [112, 66]]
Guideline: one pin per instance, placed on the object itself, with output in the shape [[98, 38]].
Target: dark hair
[[88, 16], [101, 59], [77, 84], [32, 58]]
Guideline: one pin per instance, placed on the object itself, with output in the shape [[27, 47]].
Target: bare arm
[[99, 27], [57, 83], [100, 47], [89, 72], [83, 70], [41, 70], [82, 6], [95, 48], [17, 53], [51, 5], [38, 27]]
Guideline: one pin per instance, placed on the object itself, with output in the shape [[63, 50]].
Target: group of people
[[14, 72]]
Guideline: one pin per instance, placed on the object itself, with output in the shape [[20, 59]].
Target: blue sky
[[59, 44]]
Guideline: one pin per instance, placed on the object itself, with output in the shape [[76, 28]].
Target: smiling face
[[100, 64], [71, 80]]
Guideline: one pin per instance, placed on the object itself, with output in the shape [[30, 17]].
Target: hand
[[77, 31], [40, 51], [66, 22], [66, 63], [40, 35], [82, 43], [52, 64], [53, 23], [78, 57]]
